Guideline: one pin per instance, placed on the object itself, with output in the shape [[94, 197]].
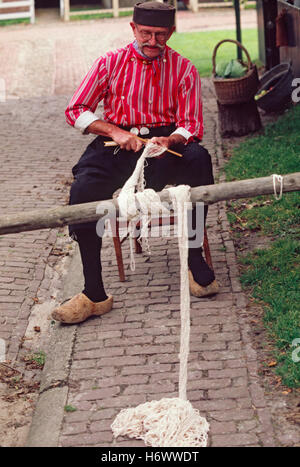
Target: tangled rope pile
[[169, 422]]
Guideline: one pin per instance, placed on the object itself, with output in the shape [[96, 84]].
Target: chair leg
[[118, 251], [138, 249], [207, 250], [138, 246]]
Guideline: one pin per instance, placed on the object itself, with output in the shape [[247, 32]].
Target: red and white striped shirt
[[140, 92]]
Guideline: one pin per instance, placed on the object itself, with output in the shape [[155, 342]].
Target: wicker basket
[[235, 90]]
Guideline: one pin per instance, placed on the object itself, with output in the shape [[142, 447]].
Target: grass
[[272, 275], [39, 358], [9, 22], [198, 47], [69, 408], [80, 17]]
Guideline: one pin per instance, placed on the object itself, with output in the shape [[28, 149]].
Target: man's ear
[[172, 29], [133, 27]]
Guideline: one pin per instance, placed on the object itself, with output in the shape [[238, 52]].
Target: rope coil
[[279, 179], [170, 421]]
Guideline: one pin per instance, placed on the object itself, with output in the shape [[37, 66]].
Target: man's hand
[[124, 139], [168, 141]]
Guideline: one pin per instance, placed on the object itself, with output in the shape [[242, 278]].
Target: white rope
[[171, 421], [279, 179]]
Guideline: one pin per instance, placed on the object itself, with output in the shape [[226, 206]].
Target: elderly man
[[148, 89]]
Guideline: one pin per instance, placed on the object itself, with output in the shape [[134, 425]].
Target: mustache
[[157, 46]]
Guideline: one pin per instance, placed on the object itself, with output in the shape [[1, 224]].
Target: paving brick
[[146, 369], [150, 349], [98, 394], [223, 427], [233, 393], [121, 361], [232, 440], [236, 414], [85, 440]]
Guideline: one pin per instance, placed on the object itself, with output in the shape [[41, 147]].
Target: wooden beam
[[64, 215], [15, 4]]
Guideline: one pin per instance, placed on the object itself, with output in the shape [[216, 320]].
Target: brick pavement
[[130, 355], [35, 169]]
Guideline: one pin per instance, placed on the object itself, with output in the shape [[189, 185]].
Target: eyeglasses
[[159, 36]]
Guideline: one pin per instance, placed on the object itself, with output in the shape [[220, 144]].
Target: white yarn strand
[[168, 422], [180, 196]]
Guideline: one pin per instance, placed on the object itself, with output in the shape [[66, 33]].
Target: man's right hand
[[123, 138], [126, 140]]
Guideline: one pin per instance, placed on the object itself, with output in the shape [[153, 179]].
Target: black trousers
[[100, 172]]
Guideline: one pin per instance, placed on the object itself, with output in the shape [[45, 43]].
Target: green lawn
[[199, 46], [83, 17], [272, 275], [10, 22]]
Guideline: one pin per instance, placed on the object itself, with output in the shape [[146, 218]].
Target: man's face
[[151, 39]]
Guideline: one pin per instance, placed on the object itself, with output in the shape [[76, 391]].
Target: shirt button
[[144, 62], [122, 97], [150, 101], [164, 60]]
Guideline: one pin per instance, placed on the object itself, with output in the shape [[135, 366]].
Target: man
[[148, 89]]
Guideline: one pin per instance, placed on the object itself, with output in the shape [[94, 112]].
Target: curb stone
[[49, 411]]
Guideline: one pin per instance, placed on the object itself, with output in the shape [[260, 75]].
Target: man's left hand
[[168, 141]]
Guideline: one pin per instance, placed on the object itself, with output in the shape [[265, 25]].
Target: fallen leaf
[[274, 363], [37, 329]]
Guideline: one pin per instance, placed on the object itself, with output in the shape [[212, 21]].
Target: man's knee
[[198, 164], [195, 153], [85, 190]]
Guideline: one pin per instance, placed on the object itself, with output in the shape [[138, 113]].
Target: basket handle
[[234, 42]]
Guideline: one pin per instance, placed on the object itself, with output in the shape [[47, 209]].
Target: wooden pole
[[66, 10], [115, 5], [79, 213], [238, 26]]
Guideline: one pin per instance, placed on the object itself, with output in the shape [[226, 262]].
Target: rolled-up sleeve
[[80, 112], [189, 110]]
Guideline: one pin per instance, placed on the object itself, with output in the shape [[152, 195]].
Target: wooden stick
[[79, 213], [113, 143]]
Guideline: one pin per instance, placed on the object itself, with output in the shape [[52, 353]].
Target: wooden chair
[[138, 248]]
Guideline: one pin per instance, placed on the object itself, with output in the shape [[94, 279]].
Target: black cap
[[154, 14]]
